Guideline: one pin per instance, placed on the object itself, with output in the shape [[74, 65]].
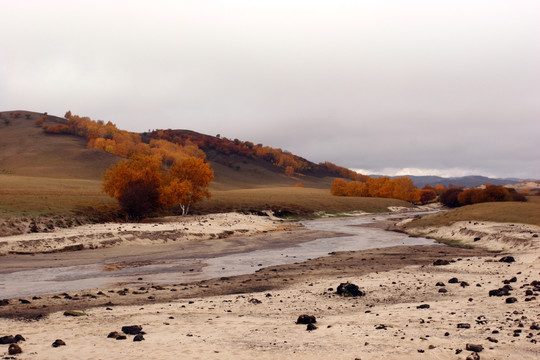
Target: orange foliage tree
[[188, 182], [399, 188], [141, 185]]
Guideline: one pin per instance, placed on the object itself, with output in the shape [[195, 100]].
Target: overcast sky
[[394, 87]]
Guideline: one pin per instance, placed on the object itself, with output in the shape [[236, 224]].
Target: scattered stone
[[504, 291], [511, 300], [306, 319], [14, 349], [132, 329], [492, 339], [443, 290], [474, 347], [440, 283], [473, 356], [423, 306], [464, 326], [380, 327], [138, 337], [464, 284], [440, 262], [507, 259], [24, 301], [311, 327], [113, 335], [477, 239], [349, 289], [4, 302], [121, 337], [74, 313], [535, 326], [8, 339], [58, 342], [453, 280], [255, 301]]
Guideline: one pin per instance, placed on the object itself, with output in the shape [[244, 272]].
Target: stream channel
[[175, 269]]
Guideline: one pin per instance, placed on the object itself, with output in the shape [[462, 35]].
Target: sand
[[253, 316], [169, 229]]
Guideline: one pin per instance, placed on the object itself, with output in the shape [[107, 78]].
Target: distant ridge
[[465, 181]]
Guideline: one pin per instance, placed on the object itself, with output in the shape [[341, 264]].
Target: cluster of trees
[[457, 196], [399, 188], [155, 174], [107, 137], [141, 185], [283, 159]]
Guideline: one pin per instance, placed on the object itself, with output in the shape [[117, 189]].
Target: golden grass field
[[506, 212]]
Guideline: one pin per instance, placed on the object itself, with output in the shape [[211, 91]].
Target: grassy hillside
[[26, 150], [508, 212]]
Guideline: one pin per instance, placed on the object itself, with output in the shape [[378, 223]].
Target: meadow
[[506, 212]]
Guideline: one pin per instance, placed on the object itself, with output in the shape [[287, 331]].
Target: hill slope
[[26, 150]]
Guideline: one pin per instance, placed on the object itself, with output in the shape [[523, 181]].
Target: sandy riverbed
[[253, 316]]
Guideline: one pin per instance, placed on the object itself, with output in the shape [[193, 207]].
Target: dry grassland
[[504, 212], [292, 201]]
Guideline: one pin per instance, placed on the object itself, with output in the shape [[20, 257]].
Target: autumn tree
[[338, 187], [187, 183], [427, 195], [134, 183], [141, 185]]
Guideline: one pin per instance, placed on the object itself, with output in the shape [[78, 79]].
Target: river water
[[175, 269]]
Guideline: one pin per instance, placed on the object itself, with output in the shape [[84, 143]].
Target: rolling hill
[[57, 179]]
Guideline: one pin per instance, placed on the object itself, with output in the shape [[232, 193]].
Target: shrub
[[449, 197]]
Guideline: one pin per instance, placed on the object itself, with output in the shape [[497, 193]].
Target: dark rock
[[8, 339], [113, 335], [535, 326], [132, 329], [507, 259], [453, 280], [306, 319], [529, 292], [511, 300], [121, 337], [58, 342], [423, 306], [311, 327], [464, 284], [443, 290], [464, 326], [492, 339], [474, 347], [138, 337], [380, 327], [473, 356], [440, 284], [14, 349], [477, 239], [4, 302], [348, 289], [255, 301], [19, 337], [440, 262], [24, 301], [504, 291]]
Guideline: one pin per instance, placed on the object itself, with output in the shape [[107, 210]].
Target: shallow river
[[175, 269]]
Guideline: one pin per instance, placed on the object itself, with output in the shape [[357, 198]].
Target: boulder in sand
[[349, 289]]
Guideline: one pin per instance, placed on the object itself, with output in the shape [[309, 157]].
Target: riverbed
[[174, 265]]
